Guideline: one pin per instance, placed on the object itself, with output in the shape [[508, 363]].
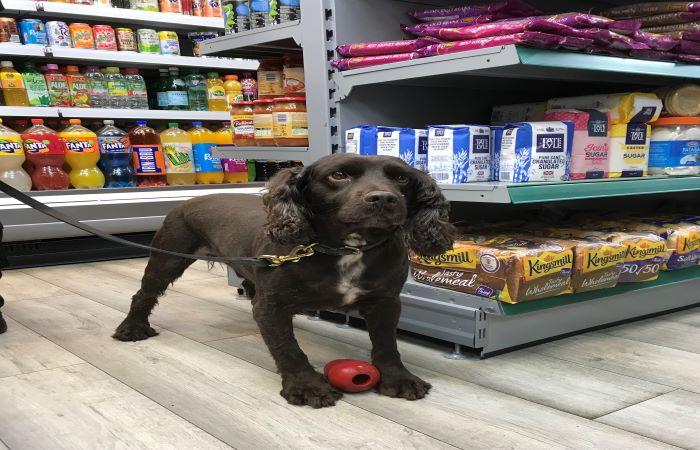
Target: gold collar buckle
[[297, 253]]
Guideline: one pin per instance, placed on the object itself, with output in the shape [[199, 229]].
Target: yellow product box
[[629, 150]]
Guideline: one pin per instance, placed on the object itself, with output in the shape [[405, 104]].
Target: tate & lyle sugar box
[[629, 150], [401, 143], [591, 144], [535, 151], [459, 153], [361, 140]]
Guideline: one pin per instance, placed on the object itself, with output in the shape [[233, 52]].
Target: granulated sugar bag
[[589, 150], [535, 151], [399, 142], [459, 153], [361, 140]]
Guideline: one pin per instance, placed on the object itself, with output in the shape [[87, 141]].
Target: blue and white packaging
[[535, 151], [361, 140], [398, 142], [421, 162], [496, 135], [459, 153]]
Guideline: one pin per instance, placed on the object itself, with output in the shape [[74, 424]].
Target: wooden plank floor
[[207, 380]]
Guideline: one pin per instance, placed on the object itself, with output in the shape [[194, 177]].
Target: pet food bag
[[589, 150], [361, 140], [507, 8], [459, 153], [535, 151], [521, 112], [399, 142], [384, 48], [632, 107], [629, 150], [531, 38], [649, 9], [369, 61]]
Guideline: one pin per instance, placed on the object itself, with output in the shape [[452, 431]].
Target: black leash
[[297, 253]]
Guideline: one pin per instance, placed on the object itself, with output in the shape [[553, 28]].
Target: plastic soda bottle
[[78, 87], [13, 89], [234, 90], [207, 167], [171, 6], [11, 160], [115, 156], [47, 155], [235, 170], [212, 8], [196, 91], [58, 86], [250, 87], [35, 83], [82, 155], [97, 87], [138, 97], [117, 89], [148, 155], [216, 93], [179, 156]]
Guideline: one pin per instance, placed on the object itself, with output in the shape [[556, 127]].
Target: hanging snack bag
[[459, 153]]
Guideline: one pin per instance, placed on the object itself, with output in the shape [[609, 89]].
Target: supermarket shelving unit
[[135, 210], [463, 87]]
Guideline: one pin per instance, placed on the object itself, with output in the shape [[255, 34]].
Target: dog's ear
[[428, 229], [287, 217]]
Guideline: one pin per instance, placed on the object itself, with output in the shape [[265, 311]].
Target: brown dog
[[378, 205]]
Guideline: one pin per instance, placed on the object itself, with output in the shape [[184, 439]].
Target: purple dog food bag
[[669, 19], [650, 9], [514, 8], [384, 48], [690, 26], [501, 28], [417, 29], [582, 20], [368, 61], [655, 41], [576, 43], [685, 35], [652, 55], [688, 59], [531, 38], [689, 47]]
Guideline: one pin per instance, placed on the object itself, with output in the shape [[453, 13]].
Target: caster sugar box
[[629, 150], [535, 151], [589, 150], [361, 140], [459, 153]]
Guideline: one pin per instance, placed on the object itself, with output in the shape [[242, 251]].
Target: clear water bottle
[[196, 91], [97, 87], [138, 97], [116, 88]]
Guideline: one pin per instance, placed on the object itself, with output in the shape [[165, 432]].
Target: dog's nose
[[381, 198]]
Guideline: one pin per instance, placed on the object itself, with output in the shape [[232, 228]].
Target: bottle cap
[[108, 122], [197, 124], [141, 123], [74, 121], [6, 64], [213, 74], [131, 70], [112, 69], [231, 77], [52, 66], [173, 124], [37, 121], [71, 68]]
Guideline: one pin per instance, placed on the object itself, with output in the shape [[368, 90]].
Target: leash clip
[[297, 253]]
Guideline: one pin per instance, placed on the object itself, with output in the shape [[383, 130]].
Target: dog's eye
[[401, 179], [339, 176]]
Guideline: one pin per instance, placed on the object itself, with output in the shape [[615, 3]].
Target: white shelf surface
[[276, 38], [26, 51], [145, 114], [27, 111], [133, 59], [170, 21]]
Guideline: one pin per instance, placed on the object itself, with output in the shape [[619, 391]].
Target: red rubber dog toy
[[350, 375]]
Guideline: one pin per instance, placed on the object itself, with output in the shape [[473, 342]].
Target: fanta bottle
[[115, 156], [148, 155], [208, 167], [47, 154], [11, 159], [82, 155], [212, 8], [179, 157]]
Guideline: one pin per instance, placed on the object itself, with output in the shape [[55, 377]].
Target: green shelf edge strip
[[581, 61], [563, 300], [537, 193]]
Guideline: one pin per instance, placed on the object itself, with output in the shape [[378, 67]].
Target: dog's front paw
[[403, 384], [312, 390], [134, 331]]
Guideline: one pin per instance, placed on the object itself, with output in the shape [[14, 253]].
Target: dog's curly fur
[[339, 200]]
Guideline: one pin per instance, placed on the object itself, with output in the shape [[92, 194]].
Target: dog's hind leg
[[161, 271]]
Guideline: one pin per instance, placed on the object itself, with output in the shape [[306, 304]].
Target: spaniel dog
[[368, 210]]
